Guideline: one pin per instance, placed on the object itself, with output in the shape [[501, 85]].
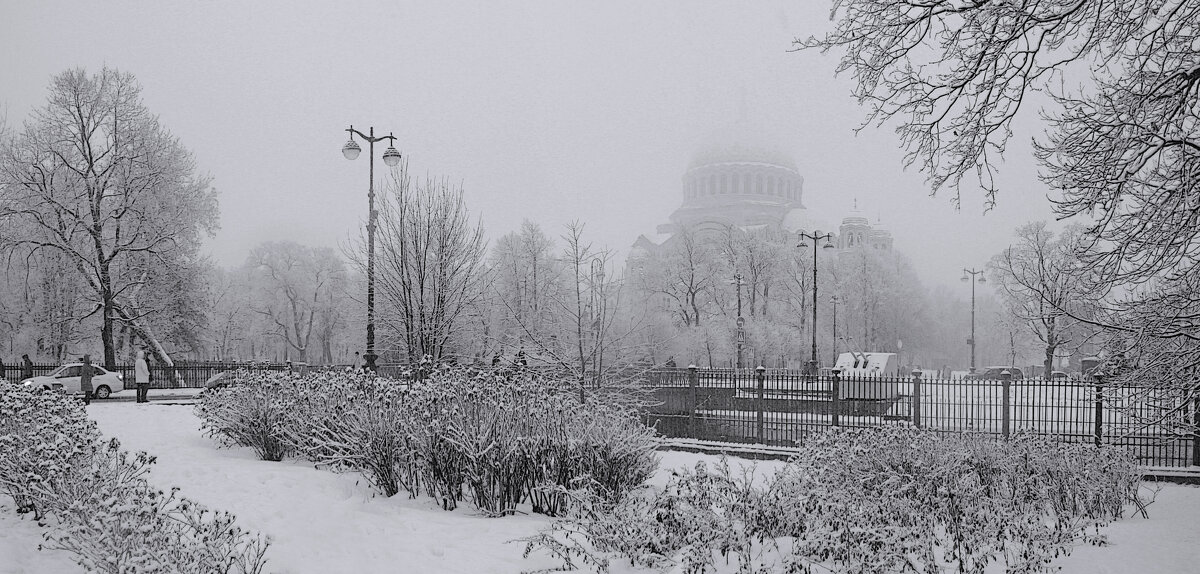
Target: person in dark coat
[[85, 378], [520, 360], [26, 367], [496, 359], [3, 371]]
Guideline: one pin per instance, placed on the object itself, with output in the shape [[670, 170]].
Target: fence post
[[1196, 431], [760, 374], [1098, 418], [915, 399], [693, 381], [835, 399], [1005, 402]]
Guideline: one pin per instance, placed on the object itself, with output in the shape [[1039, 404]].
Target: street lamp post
[[974, 276], [816, 236], [391, 157], [741, 322], [834, 300]]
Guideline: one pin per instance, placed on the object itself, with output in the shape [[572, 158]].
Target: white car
[[66, 379]]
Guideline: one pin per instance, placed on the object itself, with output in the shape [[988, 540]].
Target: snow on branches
[[496, 438]]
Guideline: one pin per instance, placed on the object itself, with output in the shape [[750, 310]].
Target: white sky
[[550, 111]]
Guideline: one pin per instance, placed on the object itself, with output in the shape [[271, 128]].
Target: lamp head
[[982, 279], [351, 149], [391, 157], [964, 278]]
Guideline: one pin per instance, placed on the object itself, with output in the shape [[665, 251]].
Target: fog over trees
[[104, 212]]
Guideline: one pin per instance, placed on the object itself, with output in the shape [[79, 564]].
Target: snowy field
[[327, 523]]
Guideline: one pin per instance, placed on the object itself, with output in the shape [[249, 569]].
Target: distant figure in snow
[[85, 378], [358, 365], [671, 362], [496, 359], [520, 359], [26, 367], [141, 375], [3, 370]]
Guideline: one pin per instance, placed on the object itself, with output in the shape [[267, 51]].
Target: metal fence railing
[[781, 407]]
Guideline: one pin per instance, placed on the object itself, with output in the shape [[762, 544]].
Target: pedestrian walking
[[496, 359], [357, 362], [520, 360], [141, 376], [85, 378], [3, 371], [26, 367]]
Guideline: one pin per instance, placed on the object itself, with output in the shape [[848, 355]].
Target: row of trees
[[103, 213]]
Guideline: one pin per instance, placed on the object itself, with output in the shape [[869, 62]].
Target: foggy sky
[[548, 111]]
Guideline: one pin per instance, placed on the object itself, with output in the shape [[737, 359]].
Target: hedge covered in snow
[[862, 501], [94, 499], [495, 438]]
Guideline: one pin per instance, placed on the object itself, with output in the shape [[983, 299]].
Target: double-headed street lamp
[[974, 276], [391, 157], [816, 236]]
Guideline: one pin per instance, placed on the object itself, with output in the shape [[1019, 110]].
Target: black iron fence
[[780, 407]]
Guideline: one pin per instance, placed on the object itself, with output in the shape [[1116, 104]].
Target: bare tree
[[683, 275], [1045, 285], [94, 177], [298, 289], [430, 263]]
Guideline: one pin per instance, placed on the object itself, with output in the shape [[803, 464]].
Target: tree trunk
[[106, 331]]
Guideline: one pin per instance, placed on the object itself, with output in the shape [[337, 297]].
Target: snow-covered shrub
[[354, 422], [251, 412], [495, 438], [134, 528], [95, 500], [44, 438], [869, 500]]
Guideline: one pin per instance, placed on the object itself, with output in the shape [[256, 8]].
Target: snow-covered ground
[[324, 523]]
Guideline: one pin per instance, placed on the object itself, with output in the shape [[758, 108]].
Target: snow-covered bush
[[355, 422], [44, 438], [251, 414], [95, 500], [868, 500], [133, 528], [495, 438]]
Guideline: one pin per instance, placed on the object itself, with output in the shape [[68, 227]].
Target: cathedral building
[[742, 179]]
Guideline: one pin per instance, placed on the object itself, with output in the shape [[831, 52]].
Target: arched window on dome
[[759, 184], [770, 185], [724, 183], [746, 183], [712, 184], [787, 188]]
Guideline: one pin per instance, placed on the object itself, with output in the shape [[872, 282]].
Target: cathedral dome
[[740, 143], [740, 169]]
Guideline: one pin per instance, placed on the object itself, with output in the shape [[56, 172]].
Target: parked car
[[993, 373], [66, 379]]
